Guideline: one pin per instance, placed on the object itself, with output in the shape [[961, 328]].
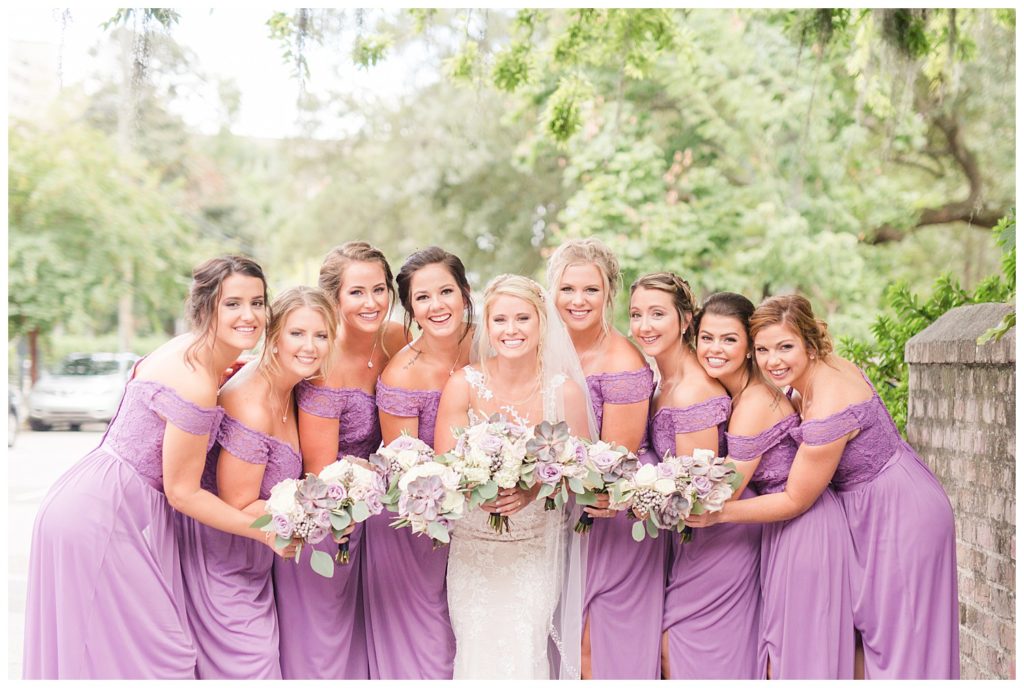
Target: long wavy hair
[[204, 294]]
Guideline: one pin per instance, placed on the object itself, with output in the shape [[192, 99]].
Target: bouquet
[[311, 508], [606, 464], [488, 456], [424, 493], [662, 496]]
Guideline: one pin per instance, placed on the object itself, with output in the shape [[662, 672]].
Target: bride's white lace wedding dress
[[504, 589]]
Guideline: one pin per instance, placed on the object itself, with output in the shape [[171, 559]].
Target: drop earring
[[274, 350]]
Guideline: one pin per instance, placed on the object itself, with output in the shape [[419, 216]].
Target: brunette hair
[[283, 306], [591, 251], [682, 298], [204, 293], [794, 311], [523, 288], [433, 255], [332, 272], [729, 304]]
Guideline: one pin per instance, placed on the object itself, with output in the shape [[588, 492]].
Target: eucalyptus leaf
[[576, 485], [546, 490], [488, 490], [261, 521], [360, 512], [322, 563], [340, 520], [438, 532], [652, 529], [697, 509], [638, 531]]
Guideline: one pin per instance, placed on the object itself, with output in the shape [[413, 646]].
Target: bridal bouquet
[[560, 463], [490, 455], [311, 508], [606, 464], [424, 493], [663, 495]]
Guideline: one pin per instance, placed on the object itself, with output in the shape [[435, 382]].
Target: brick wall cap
[[953, 337]]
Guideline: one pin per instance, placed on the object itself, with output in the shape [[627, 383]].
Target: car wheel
[[12, 427], [38, 425]]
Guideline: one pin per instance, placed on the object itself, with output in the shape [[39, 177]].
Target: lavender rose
[[702, 484], [548, 473], [282, 526]]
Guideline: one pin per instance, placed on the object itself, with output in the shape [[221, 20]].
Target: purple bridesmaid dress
[[408, 631], [322, 627], [625, 579], [713, 598], [807, 606], [105, 593], [229, 592], [904, 546]]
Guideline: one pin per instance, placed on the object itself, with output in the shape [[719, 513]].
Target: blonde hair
[[284, 305], [682, 298], [794, 311], [589, 251], [332, 272], [522, 288]]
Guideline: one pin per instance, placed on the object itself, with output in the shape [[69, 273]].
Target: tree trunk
[[33, 355]]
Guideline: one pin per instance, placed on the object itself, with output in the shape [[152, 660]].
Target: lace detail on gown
[[503, 589], [776, 448], [280, 460], [359, 429], [136, 433], [669, 422], [411, 403], [626, 387]]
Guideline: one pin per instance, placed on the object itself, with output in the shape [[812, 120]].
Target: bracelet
[[266, 538]]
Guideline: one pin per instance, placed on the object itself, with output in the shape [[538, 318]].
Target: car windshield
[[87, 366]]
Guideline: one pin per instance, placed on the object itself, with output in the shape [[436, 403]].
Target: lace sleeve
[[244, 442], [319, 401], [700, 416], [749, 447], [825, 430], [182, 413], [404, 403], [628, 387]]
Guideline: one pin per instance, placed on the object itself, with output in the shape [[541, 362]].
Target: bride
[[515, 598]]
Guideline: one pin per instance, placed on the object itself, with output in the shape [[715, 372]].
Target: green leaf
[[587, 498], [652, 529], [340, 520], [638, 531], [281, 542], [488, 490], [322, 563], [261, 521], [438, 532], [697, 509], [360, 512], [564, 494], [546, 490], [576, 485]]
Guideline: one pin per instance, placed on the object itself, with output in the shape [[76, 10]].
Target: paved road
[[34, 463]]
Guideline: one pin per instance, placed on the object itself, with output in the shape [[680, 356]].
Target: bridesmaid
[[406, 598], [901, 523], [322, 624], [105, 595], [625, 579], [806, 616], [713, 597], [229, 594]]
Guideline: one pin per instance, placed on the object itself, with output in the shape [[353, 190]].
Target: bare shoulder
[[395, 372], [246, 402], [695, 390], [622, 355], [758, 409], [835, 388], [457, 387], [167, 366], [572, 393]]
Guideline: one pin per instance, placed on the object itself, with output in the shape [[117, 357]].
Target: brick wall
[[961, 421]]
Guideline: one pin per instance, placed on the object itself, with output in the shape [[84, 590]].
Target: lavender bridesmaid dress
[[404, 591], [904, 546], [807, 606], [625, 579], [322, 627], [713, 598], [229, 592], [105, 593]]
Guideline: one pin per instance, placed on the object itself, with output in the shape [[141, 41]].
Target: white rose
[[425, 469], [703, 455], [476, 474], [646, 476], [665, 486], [453, 502], [282, 497], [407, 458], [334, 472]]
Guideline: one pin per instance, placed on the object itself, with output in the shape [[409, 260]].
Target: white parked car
[[84, 388]]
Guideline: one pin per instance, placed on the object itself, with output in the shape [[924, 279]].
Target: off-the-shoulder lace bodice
[[669, 422], [777, 449], [280, 461], [356, 411], [411, 403], [626, 387], [136, 433], [864, 455]]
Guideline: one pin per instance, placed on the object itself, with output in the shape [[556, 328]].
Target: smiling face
[[241, 311], [363, 297], [513, 326], [303, 342], [437, 303], [654, 321], [722, 345], [782, 355], [580, 296]]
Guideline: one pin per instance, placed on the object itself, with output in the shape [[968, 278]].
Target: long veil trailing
[[566, 550]]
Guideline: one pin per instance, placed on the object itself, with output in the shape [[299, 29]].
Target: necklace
[[514, 402], [369, 361], [284, 412]]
